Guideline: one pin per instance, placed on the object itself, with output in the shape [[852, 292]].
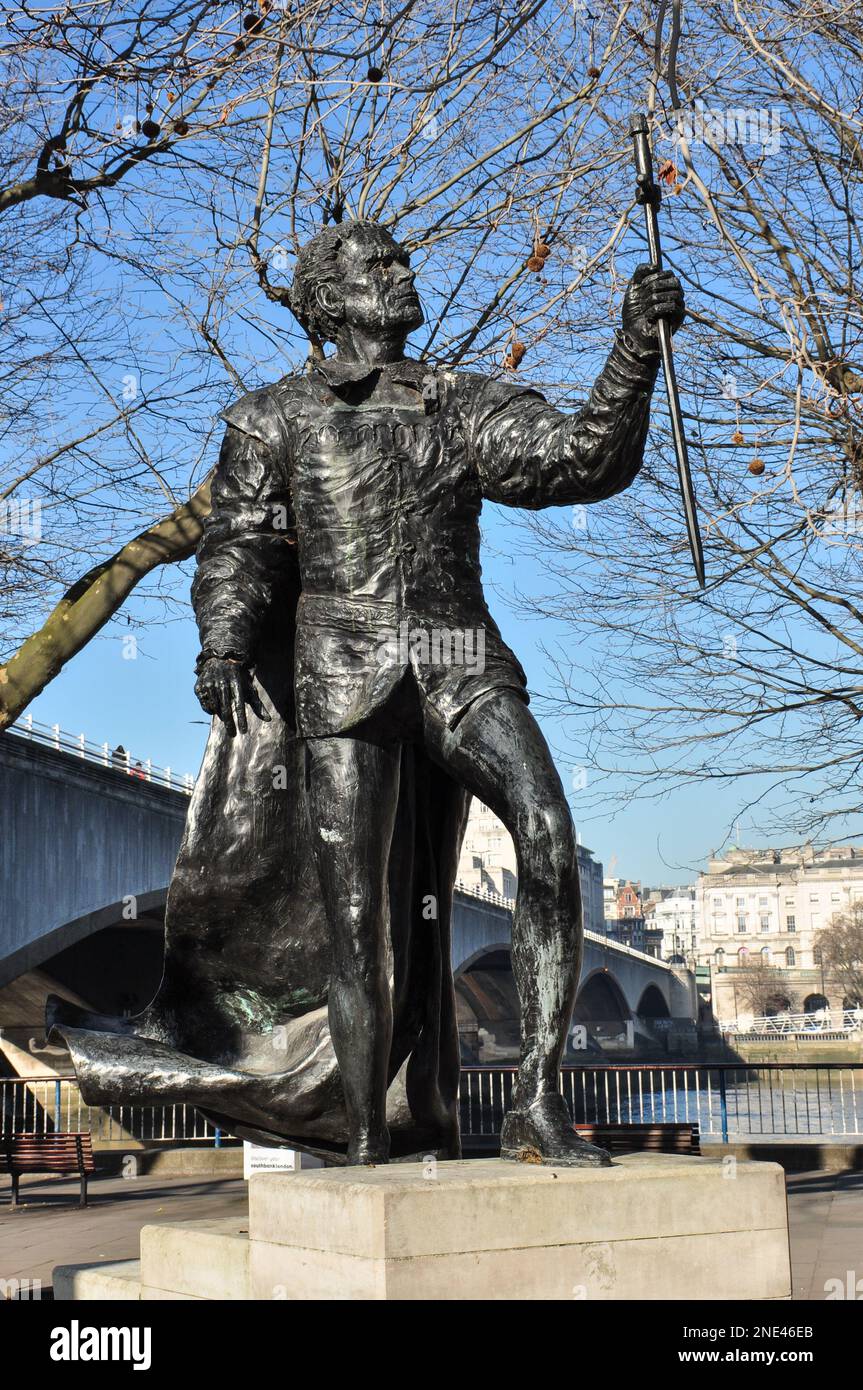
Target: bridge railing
[[727, 1101], [488, 895], [120, 759]]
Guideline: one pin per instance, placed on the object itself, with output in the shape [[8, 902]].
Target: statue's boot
[[369, 1148], [543, 1133]]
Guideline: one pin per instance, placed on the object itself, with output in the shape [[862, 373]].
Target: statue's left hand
[[652, 295], [225, 688]]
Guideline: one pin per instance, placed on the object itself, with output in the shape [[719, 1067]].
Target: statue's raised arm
[[529, 454]]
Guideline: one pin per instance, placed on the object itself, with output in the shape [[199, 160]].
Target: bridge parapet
[[118, 759]]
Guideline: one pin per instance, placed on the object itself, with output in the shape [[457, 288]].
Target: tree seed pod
[[536, 264], [594, 71], [252, 23], [239, 46], [151, 129], [757, 467], [515, 354], [543, 249], [737, 437], [374, 74], [181, 127]]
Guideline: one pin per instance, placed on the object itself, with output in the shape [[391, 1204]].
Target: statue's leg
[[353, 791], [498, 752]]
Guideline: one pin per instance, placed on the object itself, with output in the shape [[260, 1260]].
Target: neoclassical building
[[772, 903]]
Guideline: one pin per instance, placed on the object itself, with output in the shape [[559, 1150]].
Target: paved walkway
[[825, 1218], [51, 1229]]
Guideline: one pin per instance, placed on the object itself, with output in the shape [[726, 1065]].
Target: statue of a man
[[370, 470]]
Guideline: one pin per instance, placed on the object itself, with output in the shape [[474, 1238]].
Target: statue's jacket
[[382, 503]]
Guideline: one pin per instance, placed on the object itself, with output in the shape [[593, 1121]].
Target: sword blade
[[649, 195], [684, 473]]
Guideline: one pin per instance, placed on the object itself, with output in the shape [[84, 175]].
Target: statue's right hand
[[225, 688]]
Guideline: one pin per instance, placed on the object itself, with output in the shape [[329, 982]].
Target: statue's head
[[355, 276]]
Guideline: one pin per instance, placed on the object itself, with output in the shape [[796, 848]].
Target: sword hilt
[[647, 191]]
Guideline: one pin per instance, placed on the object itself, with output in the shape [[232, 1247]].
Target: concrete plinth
[[652, 1226]]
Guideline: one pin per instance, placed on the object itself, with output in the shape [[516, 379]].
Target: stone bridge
[[81, 839]]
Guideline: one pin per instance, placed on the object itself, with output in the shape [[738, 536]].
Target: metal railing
[[120, 759], [485, 895], [727, 1101], [832, 1022], [44, 1105]]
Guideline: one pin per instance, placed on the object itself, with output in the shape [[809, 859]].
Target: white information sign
[[258, 1158]]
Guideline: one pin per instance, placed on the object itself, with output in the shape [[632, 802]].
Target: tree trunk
[[95, 598]]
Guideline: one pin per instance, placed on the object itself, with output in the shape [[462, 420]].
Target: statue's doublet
[[382, 502]]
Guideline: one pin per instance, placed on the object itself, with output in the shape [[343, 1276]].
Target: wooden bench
[[47, 1153], [654, 1138]]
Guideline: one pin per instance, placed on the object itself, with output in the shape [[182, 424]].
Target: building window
[[790, 923], [814, 897], [816, 956], [835, 897], [765, 922], [741, 902], [816, 920], [763, 902], [790, 957], [719, 955], [741, 923], [790, 902], [765, 952]]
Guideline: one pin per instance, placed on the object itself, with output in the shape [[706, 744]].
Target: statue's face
[[377, 289]]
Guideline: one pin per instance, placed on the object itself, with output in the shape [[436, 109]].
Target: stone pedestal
[[650, 1227]]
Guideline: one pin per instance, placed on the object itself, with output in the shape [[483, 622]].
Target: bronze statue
[[361, 692]]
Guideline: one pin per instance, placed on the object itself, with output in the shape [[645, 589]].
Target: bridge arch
[[653, 1003], [601, 1000], [146, 906], [487, 1006], [472, 960]]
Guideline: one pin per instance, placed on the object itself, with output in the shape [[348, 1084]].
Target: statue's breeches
[[351, 655]]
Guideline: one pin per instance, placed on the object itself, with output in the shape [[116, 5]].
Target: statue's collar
[[340, 374]]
